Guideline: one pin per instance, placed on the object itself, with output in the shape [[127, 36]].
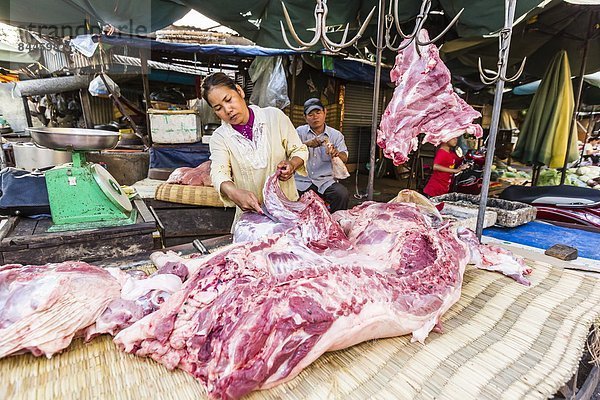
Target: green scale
[[83, 195]]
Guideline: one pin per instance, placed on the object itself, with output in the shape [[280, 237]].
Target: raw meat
[[43, 307], [254, 314], [199, 176], [423, 102], [139, 296], [307, 219]]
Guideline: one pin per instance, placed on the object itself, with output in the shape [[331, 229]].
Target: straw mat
[[501, 340], [186, 194]]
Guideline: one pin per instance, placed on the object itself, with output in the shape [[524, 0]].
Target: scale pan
[[77, 139]]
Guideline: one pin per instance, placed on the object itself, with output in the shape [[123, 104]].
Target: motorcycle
[[565, 205], [470, 180]]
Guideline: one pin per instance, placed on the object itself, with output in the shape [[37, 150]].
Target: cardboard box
[[170, 127]]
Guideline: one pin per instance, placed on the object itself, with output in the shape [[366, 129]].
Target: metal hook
[[413, 36], [320, 14], [503, 45]]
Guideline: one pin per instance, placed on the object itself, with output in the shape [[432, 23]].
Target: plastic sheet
[[98, 89], [270, 83]]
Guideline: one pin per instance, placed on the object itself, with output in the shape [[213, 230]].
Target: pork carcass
[[42, 308], [198, 176], [254, 314], [423, 102]]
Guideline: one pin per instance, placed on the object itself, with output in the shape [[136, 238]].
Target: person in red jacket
[[444, 167]]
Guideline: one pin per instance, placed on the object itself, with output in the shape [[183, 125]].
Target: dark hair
[[214, 80]]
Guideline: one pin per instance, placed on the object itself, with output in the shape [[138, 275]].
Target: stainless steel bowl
[[74, 138]]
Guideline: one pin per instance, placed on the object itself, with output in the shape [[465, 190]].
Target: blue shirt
[[320, 172]]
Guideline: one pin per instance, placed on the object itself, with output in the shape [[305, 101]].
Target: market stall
[[303, 304]]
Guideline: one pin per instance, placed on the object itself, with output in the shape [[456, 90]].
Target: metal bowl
[[70, 139]]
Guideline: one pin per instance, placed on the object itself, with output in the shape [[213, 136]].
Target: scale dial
[[111, 188]]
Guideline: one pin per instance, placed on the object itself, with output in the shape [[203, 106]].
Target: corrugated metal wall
[[101, 110], [356, 124]]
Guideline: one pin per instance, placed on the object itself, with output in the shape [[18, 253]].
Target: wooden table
[[27, 241]]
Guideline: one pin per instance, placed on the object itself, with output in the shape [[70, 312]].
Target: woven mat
[[186, 194], [502, 340]]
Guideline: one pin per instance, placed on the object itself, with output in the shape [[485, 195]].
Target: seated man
[[324, 142]]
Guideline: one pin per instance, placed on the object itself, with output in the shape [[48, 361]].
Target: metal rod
[[293, 88], [577, 100], [491, 141], [376, 84], [27, 111], [86, 108], [148, 100], [588, 132]]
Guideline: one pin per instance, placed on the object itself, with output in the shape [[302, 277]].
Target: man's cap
[[313, 104]]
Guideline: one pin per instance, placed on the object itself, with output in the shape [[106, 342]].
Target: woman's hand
[[286, 169], [246, 200]]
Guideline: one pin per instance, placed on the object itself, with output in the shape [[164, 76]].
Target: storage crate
[[180, 126], [510, 213]]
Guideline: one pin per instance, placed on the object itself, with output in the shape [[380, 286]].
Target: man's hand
[[313, 143], [246, 200], [286, 169], [332, 151]]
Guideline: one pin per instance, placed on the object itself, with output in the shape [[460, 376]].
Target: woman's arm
[[294, 148]]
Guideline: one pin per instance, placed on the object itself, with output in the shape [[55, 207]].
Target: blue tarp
[[356, 71], [543, 235], [185, 155], [215, 49]]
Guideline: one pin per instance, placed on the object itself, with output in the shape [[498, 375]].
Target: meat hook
[[503, 45], [320, 14], [413, 37]]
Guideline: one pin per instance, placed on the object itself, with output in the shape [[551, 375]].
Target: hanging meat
[[423, 102]]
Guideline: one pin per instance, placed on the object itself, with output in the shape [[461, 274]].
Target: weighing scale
[[83, 195]]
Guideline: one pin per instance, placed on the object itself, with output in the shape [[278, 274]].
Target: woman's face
[[229, 104]]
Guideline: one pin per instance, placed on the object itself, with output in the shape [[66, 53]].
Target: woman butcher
[[251, 144]]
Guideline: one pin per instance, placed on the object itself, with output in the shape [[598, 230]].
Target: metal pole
[[588, 132], [376, 83], [491, 147], [577, 100], [293, 88]]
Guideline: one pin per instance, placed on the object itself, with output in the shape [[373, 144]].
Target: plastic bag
[[98, 89], [339, 168], [270, 83]]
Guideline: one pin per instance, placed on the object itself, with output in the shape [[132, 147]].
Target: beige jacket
[[248, 164]]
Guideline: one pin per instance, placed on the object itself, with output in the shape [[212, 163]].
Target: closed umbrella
[[544, 136]]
